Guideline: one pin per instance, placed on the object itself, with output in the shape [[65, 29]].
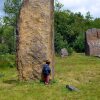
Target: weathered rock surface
[[92, 43], [35, 38], [64, 52]]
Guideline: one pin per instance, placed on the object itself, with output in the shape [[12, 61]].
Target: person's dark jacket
[[46, 69]]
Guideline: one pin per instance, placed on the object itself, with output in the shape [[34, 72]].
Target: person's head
[[47, 62]]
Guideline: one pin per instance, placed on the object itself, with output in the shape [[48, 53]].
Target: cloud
[[83, 6]]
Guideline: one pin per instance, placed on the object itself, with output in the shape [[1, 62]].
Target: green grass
[[78, 70]]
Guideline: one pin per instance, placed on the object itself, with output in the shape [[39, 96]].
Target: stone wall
[[35, 38]]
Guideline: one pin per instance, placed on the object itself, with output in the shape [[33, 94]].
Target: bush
[[7, 60], [79, 45], [59, 43], [70, 50], [3, 49]]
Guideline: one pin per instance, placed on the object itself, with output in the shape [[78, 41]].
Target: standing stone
[[64, 52], [92, 42], [35, 38]]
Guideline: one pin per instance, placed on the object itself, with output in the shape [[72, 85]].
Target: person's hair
[[47, 62]]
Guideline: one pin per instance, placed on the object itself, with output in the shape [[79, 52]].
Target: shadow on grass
[[17, 82], [11, 81], [51, 82]]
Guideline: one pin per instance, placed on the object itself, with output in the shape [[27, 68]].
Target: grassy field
[[78, 70]]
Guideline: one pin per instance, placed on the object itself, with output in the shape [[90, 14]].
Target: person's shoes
[[46, 83]]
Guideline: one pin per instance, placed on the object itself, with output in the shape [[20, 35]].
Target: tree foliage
[[71, 28], [8, 28], [12, 9]]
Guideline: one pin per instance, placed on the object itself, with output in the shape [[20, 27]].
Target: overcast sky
[[83, 6]]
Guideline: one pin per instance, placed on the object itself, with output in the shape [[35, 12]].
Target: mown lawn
[[78, 70]]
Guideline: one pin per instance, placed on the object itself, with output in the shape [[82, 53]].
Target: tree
[[70, 28], [96, 23], [1, 32], [79, 45], [59, 43], [59, 22], [12, 9], [58, 6], [9, 38], [88, 20], [88, 16]]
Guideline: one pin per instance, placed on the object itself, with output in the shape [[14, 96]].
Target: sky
[[1, 8], [83, 6]]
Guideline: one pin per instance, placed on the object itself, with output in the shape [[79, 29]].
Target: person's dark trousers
[[46, 79]]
